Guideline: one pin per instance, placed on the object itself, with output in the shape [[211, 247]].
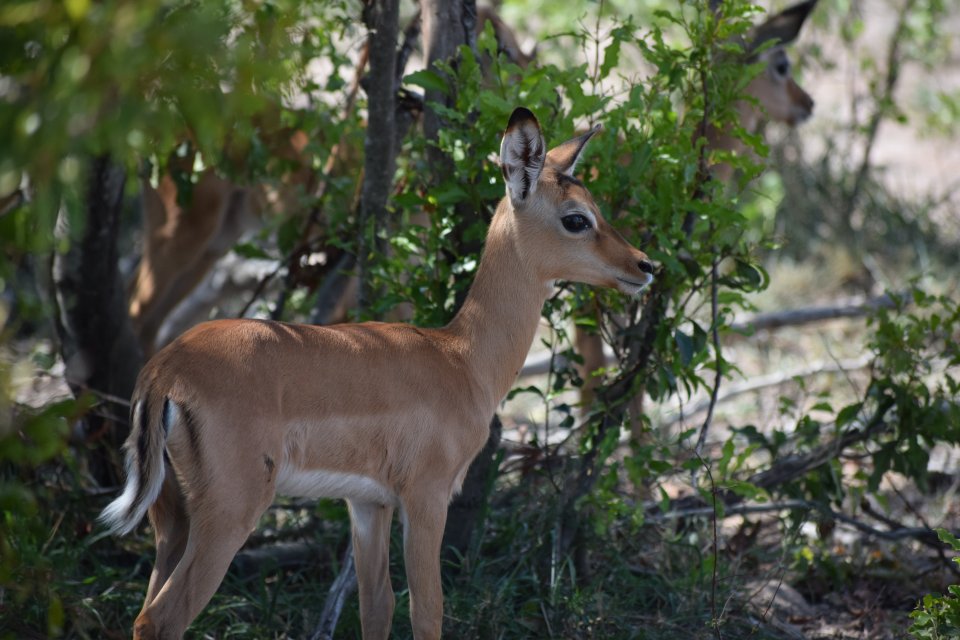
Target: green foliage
[[916, 349], [136, 79], [27, 566], [937, 617]]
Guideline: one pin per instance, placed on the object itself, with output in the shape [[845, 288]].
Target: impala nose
[[646, 266]]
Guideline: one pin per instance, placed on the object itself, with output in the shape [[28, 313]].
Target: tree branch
[[853, 308], [925, 535], [770, 380], [342, 588]]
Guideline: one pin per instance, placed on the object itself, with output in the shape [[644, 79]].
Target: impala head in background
[[778, 94], [774, 94], [384, 415]]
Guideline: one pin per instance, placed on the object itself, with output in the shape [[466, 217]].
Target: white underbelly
[[297, 483]]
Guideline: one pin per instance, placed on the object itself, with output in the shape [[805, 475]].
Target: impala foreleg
[[424, 518], [371, 551]]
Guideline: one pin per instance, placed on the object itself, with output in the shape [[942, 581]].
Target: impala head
[[557, 219], [775, 89]]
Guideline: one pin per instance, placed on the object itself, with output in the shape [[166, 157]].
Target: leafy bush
[[938, 616]]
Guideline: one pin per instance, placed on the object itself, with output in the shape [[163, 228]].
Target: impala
[[386, 416], [773, 94], [183, 240]]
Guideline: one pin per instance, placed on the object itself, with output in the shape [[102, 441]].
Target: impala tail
[[144, 465]]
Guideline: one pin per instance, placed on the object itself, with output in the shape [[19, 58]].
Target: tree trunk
[[445, 25], [465, 512], [96, 338], [382, 20], [448, 24]]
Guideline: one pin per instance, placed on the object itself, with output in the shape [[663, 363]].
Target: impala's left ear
[[782, 28], [522, 154], [564, 157]]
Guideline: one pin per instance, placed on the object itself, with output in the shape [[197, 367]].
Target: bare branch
[[854, 308], [770, 380], [342, 588], [922, 534], [718, 359]]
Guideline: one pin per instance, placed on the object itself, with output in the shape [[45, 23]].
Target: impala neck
[[498, 320]]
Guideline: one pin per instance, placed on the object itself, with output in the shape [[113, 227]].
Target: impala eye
[[782, 68], [575, 223]]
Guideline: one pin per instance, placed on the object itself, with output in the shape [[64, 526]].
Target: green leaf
[[611, 58], [429, 80], [250, 250], [948, 538], [520, 390], [747, 490], [848, 414], [494, 104], [684, 346], [55, 616]]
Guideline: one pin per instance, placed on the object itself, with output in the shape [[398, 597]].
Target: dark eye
[[575, 223], [782, 68]]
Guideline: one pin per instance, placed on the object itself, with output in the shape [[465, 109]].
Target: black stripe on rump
[[189, 421], [143, 463]]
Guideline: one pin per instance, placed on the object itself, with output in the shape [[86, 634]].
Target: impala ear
[[522, 154], [783, 27], [564, 157]]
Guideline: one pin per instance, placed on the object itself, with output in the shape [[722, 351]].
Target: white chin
[[634, 287]]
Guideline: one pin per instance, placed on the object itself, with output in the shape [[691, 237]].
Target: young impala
[[387, 416]]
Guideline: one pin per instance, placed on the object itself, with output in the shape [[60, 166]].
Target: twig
[[715, 550], [919, 516], [262, 284], [81, 386], [782, 569], [771, 380], [718, 359], [343, 587], [251, 563], [318, 191], [537, 363], [883, 102], [922, 534]]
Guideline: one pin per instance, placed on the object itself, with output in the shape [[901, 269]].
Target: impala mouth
[[633, 287]]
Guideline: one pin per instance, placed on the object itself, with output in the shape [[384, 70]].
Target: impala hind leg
[[171, 527], [217, 531], [370, 523], [423, 524]]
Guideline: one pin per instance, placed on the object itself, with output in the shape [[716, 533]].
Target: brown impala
[[386, 416]]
